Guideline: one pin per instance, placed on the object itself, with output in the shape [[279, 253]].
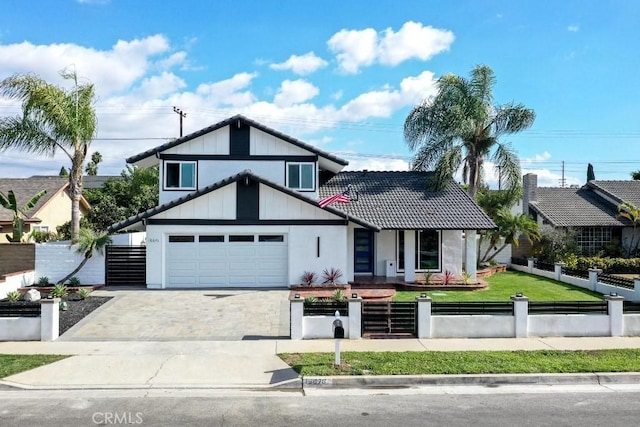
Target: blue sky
[[341, 75]]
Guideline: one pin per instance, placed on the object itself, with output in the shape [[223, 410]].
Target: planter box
[[491, 270]]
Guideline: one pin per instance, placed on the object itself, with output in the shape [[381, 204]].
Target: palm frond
[[507, 161], [510, 119], [482, 81], [447, 166], [32, 202]]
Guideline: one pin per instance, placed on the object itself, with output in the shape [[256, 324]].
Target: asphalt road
[[567, 406]]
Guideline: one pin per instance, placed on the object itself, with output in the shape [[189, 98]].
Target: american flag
[[339, 198]]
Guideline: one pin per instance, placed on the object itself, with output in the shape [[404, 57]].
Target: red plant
[[448, 277], [308, 277], [331, 276]]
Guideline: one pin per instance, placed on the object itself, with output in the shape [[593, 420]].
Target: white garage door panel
[[226, 264]]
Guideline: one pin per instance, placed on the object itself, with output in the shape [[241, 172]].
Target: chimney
[[529, 191]]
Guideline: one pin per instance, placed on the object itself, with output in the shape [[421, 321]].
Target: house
[[592, 210], [51, 211], [238, 207]]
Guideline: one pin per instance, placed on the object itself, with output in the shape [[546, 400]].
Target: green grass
[[11, 364], [504, 285], [465, 362]]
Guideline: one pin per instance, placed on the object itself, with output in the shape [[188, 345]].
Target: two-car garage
[[226, 260]]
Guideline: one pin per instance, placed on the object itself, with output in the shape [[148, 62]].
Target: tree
[[87, 242], [635, 175], [64, 173], [11, 203], [53, 119], [92, 166], [632, 213], [461, 126], [590, 173], [492, 203], [510, 228]]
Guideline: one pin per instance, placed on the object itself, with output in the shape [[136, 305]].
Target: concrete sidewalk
[[230, 364]]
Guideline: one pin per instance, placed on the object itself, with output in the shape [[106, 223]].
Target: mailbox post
[[338, 334]]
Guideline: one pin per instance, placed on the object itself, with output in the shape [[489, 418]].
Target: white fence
[[43, 328], [519, 324], [57, 259]]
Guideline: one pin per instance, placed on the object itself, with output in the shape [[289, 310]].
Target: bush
[[83, 293], [309, 277], [610, 265], [43, 236], [14, 296], [338, 296], [43, 281], [74, 281], [60, 291], [311, 300]]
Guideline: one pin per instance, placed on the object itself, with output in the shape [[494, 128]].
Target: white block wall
[[20, 328], [13, 281], [55, 261]]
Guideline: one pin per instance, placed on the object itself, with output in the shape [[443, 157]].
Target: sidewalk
[[233, 364]]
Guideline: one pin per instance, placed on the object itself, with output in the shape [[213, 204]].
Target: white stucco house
[[238, 208]]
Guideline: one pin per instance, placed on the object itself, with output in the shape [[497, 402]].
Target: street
[[433, 406]]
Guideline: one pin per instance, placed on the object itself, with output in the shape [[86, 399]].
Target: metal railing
[[568, 307], [519, 261], [325, 308], [472, 308], [20, 309], [547, 266], [582, 274], [616, 281], [631, 307]]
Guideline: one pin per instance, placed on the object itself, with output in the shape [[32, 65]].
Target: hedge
[[610, 265]]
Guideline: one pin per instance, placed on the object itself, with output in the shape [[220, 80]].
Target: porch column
[[409, 255], [472, 252]]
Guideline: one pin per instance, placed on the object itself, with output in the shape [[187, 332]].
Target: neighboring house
[[97, 181], [238, 207], [592, 210], [52, 210]]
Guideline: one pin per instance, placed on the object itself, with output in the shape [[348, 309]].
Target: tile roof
[[25, 189], [401, 200], [246, 173], [260, 126], [576, 207], [622, 191]]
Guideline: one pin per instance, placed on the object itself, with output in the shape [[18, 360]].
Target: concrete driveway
[[170, 315]]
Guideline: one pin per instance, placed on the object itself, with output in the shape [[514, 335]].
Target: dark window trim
[[313, 174], [438, 230], [196, 157], [164, 175], [263, 236], [211, 238], [246, 222], [242, 238], [177, 238]]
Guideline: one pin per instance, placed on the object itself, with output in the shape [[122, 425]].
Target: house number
[[318, 381], [154, 240]]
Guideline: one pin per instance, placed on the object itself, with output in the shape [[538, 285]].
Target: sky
[[340, 75]]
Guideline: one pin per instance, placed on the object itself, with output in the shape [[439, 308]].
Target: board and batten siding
[[277, 205], [264, 144], [216, 142], [218, 204]]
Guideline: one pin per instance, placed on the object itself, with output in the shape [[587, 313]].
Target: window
[[181, 239], [301, 176], [241, 238], [271, 238], [180, 175], [210, 239], [427, 250], [592, 240], [42, 228]]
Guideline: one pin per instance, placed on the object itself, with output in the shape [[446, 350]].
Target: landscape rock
[[32, 295]]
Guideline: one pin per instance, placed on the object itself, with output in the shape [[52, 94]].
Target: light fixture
[[613, 294], [423, 295], [354, 295], [297, 296], [519, 294]]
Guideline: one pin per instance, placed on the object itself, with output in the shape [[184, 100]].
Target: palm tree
[[632, 213], [88, 242], [11, 203], [53, 119], [510, 228], [461, 126]]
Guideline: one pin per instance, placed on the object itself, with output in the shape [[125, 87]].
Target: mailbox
[[338, 329]]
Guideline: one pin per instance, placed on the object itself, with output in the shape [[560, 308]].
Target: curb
[[489, 380]]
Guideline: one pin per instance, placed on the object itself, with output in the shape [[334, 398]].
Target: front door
[[363, 251]]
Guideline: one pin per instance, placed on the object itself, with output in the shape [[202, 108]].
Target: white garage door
[[230, 260]]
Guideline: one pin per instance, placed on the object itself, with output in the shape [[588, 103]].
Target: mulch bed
[[77, 309]]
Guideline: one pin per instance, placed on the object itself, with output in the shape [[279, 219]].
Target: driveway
[[170, 315]]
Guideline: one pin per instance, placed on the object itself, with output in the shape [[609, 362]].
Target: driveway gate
[[389, 318], [125, 265]]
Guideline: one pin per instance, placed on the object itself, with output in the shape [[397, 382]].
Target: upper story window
[[301, 176], [180, 175]]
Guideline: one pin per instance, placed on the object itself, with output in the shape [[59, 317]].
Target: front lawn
[[11, 364], [504, 285], [465, 362]]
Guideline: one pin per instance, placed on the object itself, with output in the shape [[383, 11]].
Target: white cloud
[[160, 85], [573, 28], [302, 65], [337, 95], [547, 178], [229, 92], [538, 158], [294, 92], [355, 49]]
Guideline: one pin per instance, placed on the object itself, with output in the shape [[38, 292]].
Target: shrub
[[338, 296], [83, 293], [74, 281], [448, 277], [43, 281], [309, 277], [60, 291], [43, 236], [427, 277], [331, 276], [311, 300], [610, 265], [14, 296], [466, 277]]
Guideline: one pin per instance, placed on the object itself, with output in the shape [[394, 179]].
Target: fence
[[326, 308], [516, 318], [33, 322]]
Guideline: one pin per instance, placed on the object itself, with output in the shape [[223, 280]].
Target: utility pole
[[499, 177], [182, 115], [563, 181]]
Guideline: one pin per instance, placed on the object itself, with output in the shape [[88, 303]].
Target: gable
[[264, 144]]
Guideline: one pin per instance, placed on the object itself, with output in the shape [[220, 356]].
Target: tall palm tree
[[87, 242], [461, 126], [53, 119], [11, 203]]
